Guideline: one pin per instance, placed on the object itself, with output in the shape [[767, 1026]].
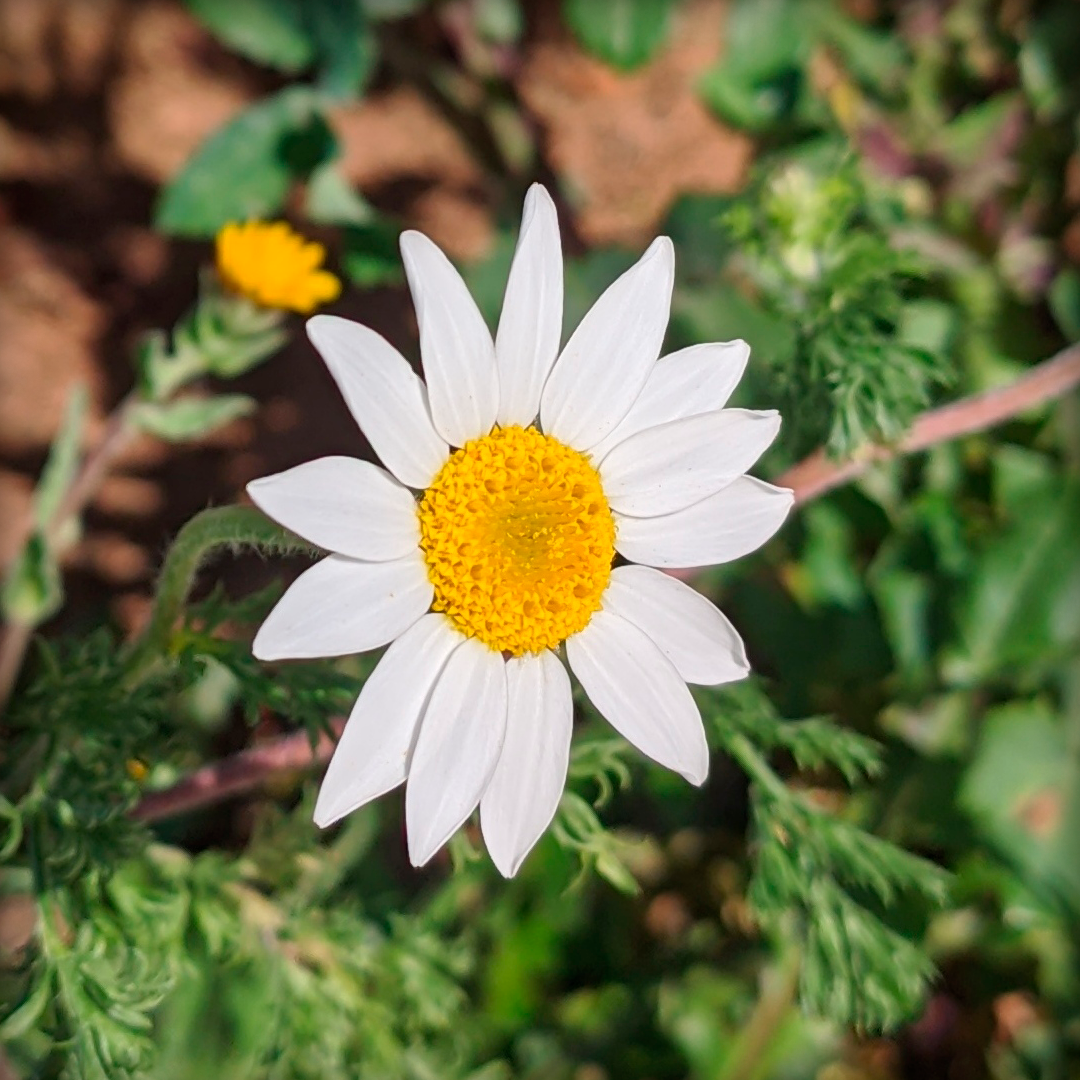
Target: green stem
[[233, 527], [760, 1030]]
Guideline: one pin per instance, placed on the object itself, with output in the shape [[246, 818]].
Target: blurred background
[[883, 198]]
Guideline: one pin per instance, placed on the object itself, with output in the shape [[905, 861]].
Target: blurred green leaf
[[270, 32], [191, 417], [64, 457], [33, 590], [1022, 603], [344, 46], [1064, 300], [1017, 791], [244, 169], [370, 256], [332, 200], [500, 21], [625, 33], [759, 79]]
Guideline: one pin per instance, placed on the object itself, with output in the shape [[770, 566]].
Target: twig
[[238, 774], [95, 467], [818, 474]]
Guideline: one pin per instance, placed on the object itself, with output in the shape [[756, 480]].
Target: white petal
[[638, 691], [343, 606], [695, 380], [344, 505], [528, 781], [608, 357], [696, 637], [461, 735], [668, 467], [372, 755], [455, 344], [527, 340], [385, 396], [725, 526]]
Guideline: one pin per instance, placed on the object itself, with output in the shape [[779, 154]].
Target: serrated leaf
[[245, 168], [625, 33], [271, 32], [191, 417]]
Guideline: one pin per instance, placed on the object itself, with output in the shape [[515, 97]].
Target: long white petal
[[372, 755], [528, 781], [347, 506], [690, 631], [695, 380], [725, 526], [343, 606], [461, 735], [455, 344], [636, 688], [666, 468], [527, 340], [607, 360], [385, 396]]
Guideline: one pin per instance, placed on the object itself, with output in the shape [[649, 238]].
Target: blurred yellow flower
[[274, 266]]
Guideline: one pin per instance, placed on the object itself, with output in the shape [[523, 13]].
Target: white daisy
[[502, 569]]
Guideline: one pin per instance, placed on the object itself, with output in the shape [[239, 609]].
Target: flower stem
[[233, 527], [95, 467]]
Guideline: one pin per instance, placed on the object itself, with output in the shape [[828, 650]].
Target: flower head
[[274, 266], [483, 553]]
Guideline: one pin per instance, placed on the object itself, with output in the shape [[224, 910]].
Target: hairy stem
[[95, 467], [232, 527], [818, 474]]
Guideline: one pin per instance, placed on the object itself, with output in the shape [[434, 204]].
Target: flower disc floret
[[518, 539], [274, 266]]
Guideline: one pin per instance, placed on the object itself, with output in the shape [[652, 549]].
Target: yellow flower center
[[518, 539]]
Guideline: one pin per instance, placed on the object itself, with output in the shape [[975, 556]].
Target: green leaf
[[1018, 791], [270, 32], [27, 1012], [1064, 299], [33, 590], [191, 417], [332, 200], [1023, 600], [370, 257], [63, 461], [500, 21], [345, 48], [244, 169], [759, 79], [625, 33]]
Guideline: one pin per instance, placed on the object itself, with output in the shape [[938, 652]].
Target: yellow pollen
[[274, 266], [518, 539]]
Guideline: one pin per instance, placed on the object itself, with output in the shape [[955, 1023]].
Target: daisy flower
[[484, 552]]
